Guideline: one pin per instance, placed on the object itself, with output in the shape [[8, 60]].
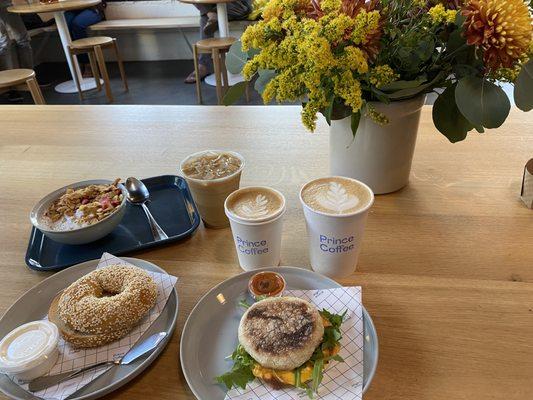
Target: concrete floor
[[150, 82]]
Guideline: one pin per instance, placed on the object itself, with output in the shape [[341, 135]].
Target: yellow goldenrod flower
[[382, 75], [440, 15], [316, 58], [375, 115]]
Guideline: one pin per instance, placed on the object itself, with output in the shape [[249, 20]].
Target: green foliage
[[234, 93], [354, 122], [241, 372], [523, 87], [482, 102], [400, 85], [236, 58], [264, 76], [425, 54], [329, 109], [331, 339], [447, 117]]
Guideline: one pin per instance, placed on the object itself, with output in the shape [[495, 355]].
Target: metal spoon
[[138, 194], [137, 351]]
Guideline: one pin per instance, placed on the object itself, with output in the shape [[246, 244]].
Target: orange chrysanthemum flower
[[502, 28]]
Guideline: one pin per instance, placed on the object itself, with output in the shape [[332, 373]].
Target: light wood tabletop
[[446, 266], [65, 5]]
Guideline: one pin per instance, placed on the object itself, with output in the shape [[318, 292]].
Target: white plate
[[210, 333], [33, 305]]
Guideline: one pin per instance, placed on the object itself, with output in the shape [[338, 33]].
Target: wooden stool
[[93, 47], [217, 47], [22, 79]]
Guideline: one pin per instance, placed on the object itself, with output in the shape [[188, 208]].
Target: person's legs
[[78, 27], [18, 33], [69, 16], [239, 9], [205, 63], [5, 53]]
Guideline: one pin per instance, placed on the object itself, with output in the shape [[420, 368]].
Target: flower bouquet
[[342, 57]]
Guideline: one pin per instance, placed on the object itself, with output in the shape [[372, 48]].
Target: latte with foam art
[[336, 195], [255, 203]]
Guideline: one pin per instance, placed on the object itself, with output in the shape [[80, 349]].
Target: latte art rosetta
[[255, 203], [255, 208], [337, 199], [336, 195]]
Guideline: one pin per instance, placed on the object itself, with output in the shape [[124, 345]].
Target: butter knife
[[135, 352]]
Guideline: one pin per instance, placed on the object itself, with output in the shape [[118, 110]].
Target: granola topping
[[85, 206]]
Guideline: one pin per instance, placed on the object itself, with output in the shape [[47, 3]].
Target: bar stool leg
[[197, 74], [94, 69], [35, 91], [216, 62], [120, 65], [103, 70], [224, 71], [76, 78]]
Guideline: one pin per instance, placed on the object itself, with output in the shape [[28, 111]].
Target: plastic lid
[[27, 346]]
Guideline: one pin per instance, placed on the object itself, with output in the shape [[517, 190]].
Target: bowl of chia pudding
[[81, 212]]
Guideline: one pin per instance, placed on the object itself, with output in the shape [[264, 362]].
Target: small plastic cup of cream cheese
[[29, 351]]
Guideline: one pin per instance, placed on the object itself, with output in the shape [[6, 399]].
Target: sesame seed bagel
[[281, 332], [80, 339], [109, 299]]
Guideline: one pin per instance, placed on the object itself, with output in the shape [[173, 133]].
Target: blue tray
[[171, 205]]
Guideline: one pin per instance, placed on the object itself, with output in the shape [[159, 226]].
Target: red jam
[[266, 284]]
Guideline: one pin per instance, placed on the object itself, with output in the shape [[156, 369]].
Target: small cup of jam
[[266, 284]]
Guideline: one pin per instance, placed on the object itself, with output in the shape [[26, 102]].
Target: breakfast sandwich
[[284, 341]]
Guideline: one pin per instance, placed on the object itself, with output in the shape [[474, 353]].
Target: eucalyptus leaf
[[412, 92], [459, 19], [236, 58], [381, 96], [399, 85], [482, 102], [234, 93], [425, 49], [265, 76], [253, 52], [447, 117], [354, 122], [523, 87], [329, 109], [462, 70]]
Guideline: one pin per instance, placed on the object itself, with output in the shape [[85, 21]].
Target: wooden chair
[[93, 46], [21, 79], [217, 47]]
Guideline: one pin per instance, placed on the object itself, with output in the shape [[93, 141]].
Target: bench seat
[[146, 23], [44, 29], [158, 23]]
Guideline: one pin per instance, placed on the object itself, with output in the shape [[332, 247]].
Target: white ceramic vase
[[379, 155]]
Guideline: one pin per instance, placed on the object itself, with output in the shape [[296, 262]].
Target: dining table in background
[[223, 31], [59, 8], [446, 265]]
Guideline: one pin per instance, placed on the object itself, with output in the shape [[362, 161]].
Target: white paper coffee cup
[[257, 240], [335, 239]]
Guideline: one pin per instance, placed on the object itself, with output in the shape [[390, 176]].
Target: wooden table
[[446, 266], [59, 8]]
